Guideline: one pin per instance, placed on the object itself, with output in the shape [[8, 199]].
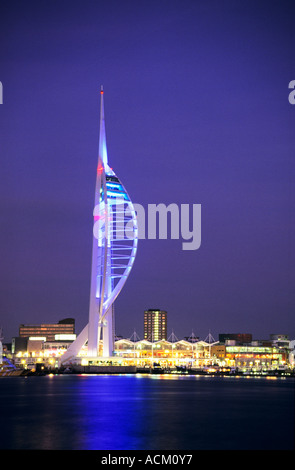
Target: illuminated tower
[[113, 252]]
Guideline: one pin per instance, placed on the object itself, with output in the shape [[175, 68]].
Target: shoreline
[[133, 370]]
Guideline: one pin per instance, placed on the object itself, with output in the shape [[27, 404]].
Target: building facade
[[48, 331], [254, 358], [144, 353], [155, 325], [140, 353]]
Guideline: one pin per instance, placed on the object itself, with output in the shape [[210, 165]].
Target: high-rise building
[[114, 246], [155, 325]]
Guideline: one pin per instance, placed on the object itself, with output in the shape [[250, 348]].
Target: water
[[134, 412]]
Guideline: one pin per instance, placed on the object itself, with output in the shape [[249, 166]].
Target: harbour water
[[146, 412]]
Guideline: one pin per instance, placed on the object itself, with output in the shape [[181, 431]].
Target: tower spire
[[102, 148]]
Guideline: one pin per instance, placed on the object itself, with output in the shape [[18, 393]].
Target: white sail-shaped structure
[[115, 236]]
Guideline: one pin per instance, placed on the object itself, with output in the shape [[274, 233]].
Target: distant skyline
[[197, 112]]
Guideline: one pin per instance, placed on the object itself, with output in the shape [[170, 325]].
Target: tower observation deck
[[114, 246]]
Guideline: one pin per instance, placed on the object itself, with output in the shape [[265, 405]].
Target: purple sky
[[197, 112]]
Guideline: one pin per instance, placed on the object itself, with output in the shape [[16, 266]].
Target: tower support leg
[[93, 335], [107, 334]]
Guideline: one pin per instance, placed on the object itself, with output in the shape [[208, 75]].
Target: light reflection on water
[[159, 412]]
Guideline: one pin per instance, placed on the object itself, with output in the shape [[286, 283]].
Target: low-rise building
[[48, 330], [248, 357]]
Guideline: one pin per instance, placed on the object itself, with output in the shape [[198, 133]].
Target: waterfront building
[[281, 341], [144, 353], [168, 354], [1, 347], [19, 344], [29, 352], [45, 340], [126, 352], [218, 352], [48, 331], [114, 246], [251, 357], [291, 357], [155, 325]]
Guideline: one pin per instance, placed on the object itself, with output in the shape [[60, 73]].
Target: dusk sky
[[197, 112]]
